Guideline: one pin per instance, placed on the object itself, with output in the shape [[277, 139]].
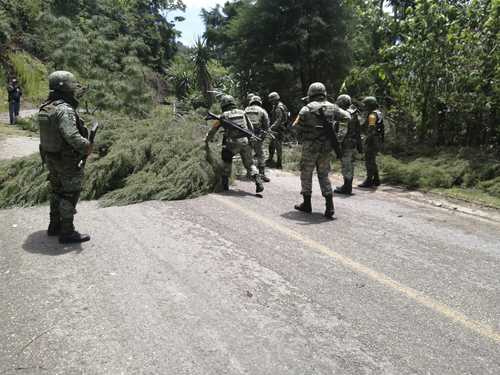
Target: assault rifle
[[92, 134], [329, 128], [229, 124]]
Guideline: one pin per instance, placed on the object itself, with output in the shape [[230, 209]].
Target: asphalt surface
[[235, 284]]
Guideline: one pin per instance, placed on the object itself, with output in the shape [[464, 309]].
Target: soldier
[[279, 120], [317, 147], [249, 97], [235, 142], [14, 97], [63, 146], [260, 122], [374, 130], [349, 136]]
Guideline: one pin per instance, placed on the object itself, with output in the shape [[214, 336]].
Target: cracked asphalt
[[234, 284]]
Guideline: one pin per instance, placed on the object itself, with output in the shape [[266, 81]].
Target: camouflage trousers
[[316, 155], [232, 148], [347, 162], [65, 181], [371, 151], [276, 145], [258, 150]]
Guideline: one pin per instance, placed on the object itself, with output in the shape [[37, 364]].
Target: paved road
[[234, 284]]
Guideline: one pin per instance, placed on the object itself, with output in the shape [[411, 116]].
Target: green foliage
[[450, 169], [161, 157], [32, 75], [281, 45]]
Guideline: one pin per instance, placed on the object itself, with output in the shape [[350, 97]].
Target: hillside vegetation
[[434, 67]]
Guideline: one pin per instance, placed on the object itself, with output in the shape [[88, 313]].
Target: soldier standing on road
[[317, 147], [349, 136], [260, 121], [279, 120], [235, 142], [63, 146], [374, 130], [14, 97]]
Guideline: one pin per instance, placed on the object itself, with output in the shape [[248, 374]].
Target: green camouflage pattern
[[62, 147], [316, 155], [260, 122], [245, 151]]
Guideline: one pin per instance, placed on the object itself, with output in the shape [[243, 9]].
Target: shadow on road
[[237, 193], [40, 243], [306, 219]]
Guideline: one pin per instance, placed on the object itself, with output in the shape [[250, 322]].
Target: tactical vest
[[286, 115], [50, 137], [236, 116], [256, 116], [313, 126], [345, 129]]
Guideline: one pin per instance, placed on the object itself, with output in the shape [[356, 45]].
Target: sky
[[193, 26]]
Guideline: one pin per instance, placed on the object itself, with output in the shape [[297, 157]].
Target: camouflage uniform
[[349, 136], [279, 122], [260, 122], [235, 143], [63, 144], [316, 145], [374, 130]]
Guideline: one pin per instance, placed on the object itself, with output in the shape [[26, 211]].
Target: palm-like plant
[[201, 57]]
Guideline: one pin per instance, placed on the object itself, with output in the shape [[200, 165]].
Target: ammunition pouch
[[227, 155]]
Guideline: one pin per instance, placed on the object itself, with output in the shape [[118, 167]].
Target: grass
[[159, 158], [32, 75], [464, 174]]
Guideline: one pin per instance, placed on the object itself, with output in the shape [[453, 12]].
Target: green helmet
[[344, 101], [226, 102], [62, 81], [274, 96], [370, 103], [316, 89], [255, 100]]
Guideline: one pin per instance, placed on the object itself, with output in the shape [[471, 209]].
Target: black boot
[[305, 206], [259, 186], [279, 164], [69, 235], [330, 209], [376, 179], [262, 171], [345, 189], [225, 183], [368, 183], [54, 228]]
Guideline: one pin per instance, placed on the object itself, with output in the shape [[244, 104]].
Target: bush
[[32, 74], [161, 158]]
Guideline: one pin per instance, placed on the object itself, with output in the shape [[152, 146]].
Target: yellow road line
[[413, 294]]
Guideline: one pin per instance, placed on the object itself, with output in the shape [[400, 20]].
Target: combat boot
[[330, 209], [376, 179], [279, 164], [259, 186], [262, 171], [54, 228], [305, 206], [345, 189], [70, 235], [225, 183], [368, 183]]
